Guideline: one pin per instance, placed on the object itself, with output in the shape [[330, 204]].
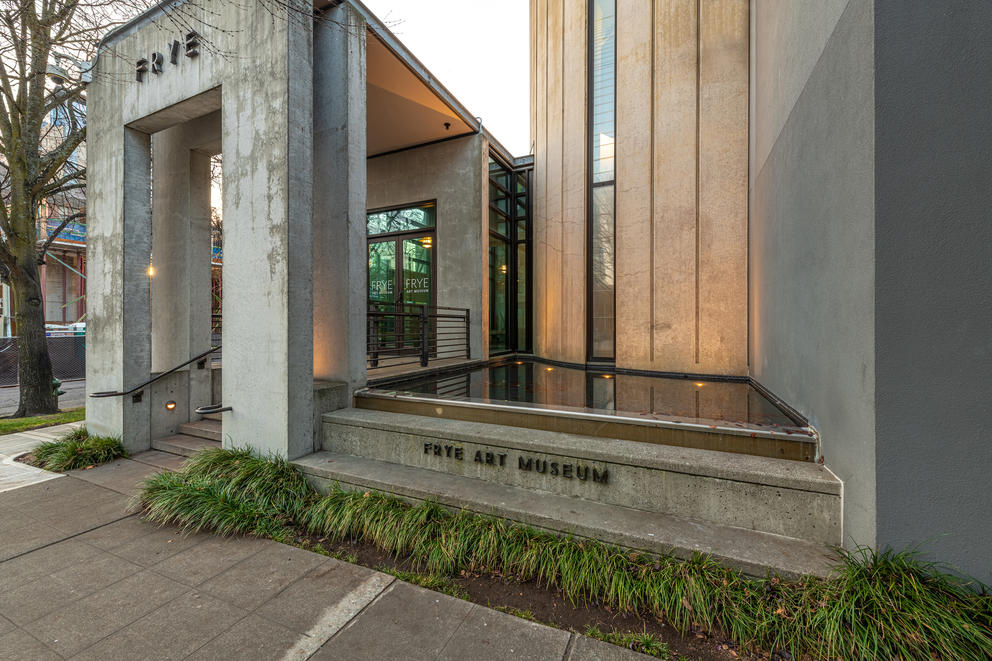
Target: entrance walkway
[[82, 578]]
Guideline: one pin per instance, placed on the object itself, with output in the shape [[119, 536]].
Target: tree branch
[[54, 235]]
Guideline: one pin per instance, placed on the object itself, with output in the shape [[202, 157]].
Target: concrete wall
[[812, 230], [455, 173], [264, 98], [681, 201], [558, 60], [682, 92], [933, 280]]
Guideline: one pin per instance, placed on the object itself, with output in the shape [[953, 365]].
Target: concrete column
[[118, 343], [340, 259], [268, 212], [181, 255]]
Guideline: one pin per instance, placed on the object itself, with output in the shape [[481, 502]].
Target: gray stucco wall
[[452, 173], [811, 230], [933, 323]]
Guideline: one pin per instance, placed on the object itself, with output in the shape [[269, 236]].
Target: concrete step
[[208, 429], [748, 550], [214, 416], [796, 499], [183, 445]]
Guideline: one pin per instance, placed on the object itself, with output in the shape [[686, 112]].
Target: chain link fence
[[68, 354]]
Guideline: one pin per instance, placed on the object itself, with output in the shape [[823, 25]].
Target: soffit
[[403, 109]]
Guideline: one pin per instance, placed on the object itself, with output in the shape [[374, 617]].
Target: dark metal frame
[[397, 238], [590, 185], [513, 242], [443, 332]]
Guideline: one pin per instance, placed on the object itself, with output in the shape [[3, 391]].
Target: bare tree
[[45, 46]]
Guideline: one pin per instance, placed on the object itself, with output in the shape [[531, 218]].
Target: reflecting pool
[[535, 384]]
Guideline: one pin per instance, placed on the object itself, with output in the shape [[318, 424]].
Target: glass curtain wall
[[602, 202], [509, 258]]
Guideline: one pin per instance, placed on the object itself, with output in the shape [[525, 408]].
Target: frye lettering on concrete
[[191, 46], [541, 465]]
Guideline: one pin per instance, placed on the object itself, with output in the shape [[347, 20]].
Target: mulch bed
[[549, 606]]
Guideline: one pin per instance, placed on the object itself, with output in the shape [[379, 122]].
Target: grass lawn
[[14, 425]]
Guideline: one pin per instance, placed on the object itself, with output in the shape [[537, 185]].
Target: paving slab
[[257, 579], [161, 543], [18, 645], [210, 557], [36, 493], [302, 605], [488, 635], [117, 534], [48, 560], [26, 603], [88, 512], [406, 622], [198, 617], [25, 538], [123, 475], [6, 625], [11, 518], [86, 621], [252, 638]]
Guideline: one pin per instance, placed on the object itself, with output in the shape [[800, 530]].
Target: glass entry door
[[401, 284]]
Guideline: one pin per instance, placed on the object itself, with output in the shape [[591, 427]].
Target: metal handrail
[[138, 389], [211, 408]]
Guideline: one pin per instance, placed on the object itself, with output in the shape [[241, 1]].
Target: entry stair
[[756, 514], [192, 437]]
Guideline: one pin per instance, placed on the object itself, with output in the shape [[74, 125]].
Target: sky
[[478, 50]]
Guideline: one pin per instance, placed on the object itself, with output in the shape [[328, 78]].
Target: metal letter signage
[[526, 464], [190, 44]]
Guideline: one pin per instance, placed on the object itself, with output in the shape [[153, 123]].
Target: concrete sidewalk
[[81, 578], [14, 475]]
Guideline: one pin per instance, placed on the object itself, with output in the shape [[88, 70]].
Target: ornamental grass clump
[[77, 449], [877, 605]]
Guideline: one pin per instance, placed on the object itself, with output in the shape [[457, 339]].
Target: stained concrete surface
[[81, 577]]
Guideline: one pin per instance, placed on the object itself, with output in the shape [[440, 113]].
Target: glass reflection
[[530, 383], [402, 220]]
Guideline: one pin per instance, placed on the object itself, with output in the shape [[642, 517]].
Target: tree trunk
[[34, 367]]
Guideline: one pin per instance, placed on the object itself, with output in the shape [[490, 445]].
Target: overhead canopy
[[405, 108]]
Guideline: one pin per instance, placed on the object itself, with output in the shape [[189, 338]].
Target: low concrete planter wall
[[794, 499]]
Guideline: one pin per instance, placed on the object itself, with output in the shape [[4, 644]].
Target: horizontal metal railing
[[407, 334]]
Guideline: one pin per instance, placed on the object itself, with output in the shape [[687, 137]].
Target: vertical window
[[509, 231], [602, 198]]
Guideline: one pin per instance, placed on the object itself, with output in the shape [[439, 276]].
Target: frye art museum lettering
[[565, 470]]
